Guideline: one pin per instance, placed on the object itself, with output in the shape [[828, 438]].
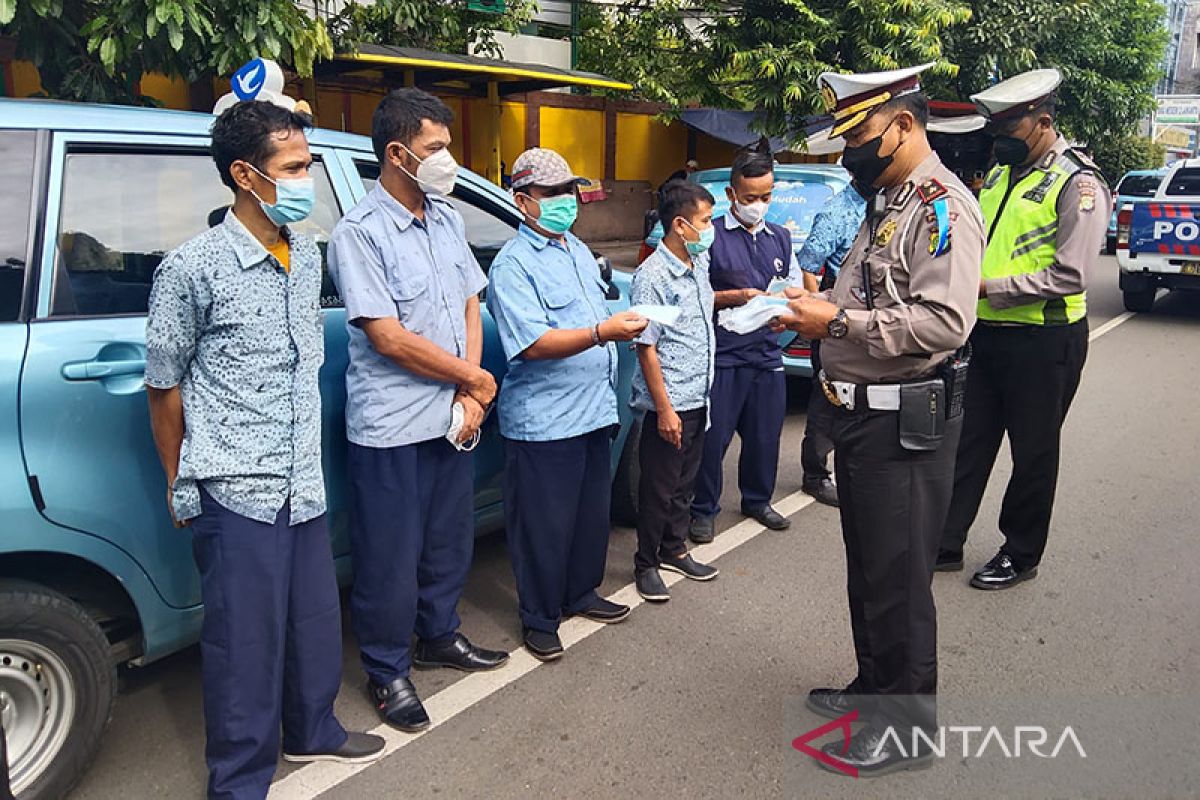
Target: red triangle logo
[[842, 723]]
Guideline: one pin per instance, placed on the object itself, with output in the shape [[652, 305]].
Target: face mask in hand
[[706, 239], [294, 199], [435, 174], [864, 162], [457, 415], [557, 213], [751, 213]]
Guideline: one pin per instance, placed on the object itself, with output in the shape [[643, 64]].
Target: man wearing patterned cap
[[1046, 209], [903, 304], [558, 405]]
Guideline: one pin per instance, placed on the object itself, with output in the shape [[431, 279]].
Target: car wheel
[[57, 687], [629, 472], [1139, 300]]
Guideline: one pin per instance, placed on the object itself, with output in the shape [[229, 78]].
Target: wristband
[[596, 340]]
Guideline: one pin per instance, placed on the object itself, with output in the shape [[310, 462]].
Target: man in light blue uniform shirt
[[410, 283], [558, 405], [829, 240]]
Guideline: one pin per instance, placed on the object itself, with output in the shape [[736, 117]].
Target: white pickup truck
[[1158, 238]]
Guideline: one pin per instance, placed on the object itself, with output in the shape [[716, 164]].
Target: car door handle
[[98, 370]]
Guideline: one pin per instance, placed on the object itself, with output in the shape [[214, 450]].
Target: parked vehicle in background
[[1158, 238], [93, 575], [1134, 185], [800, 192]]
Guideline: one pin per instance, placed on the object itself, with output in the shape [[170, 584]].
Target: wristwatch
[[838, 326]]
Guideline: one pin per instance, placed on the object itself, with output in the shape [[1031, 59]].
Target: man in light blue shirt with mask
[[558, 405], [411, 287]]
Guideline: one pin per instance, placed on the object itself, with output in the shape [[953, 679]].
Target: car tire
[[1140, 300], [59, 685], [629, 473]]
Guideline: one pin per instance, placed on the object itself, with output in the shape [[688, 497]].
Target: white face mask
[[435, 174], [751, 213]]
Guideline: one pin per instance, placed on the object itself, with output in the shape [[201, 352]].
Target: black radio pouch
[[954, 372], [922, 415]]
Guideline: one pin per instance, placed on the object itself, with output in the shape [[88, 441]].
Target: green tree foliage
[[1116, 155], [1108, 51], [762, 54], [97, 50], [443, 25]]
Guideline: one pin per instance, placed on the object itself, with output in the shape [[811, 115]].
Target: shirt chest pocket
[[411, 292]]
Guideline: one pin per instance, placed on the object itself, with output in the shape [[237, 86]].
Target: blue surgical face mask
[[294, 199], [558, 213], [706, 239]]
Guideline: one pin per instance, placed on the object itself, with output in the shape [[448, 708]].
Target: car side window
[[488, 227], [16, 176], [1186, 181], [123, 211]]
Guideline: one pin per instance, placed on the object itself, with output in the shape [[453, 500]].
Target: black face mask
[[1010, 151], [864, 162]]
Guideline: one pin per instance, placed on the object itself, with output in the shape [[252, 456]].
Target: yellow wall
[[712, 152], [25, 79], [512, 133], [171, 92], [578, 135], [648, 150]]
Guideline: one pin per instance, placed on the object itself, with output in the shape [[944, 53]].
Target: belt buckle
[[830, 393]]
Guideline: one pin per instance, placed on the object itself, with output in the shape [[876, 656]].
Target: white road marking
[[1108, 326], [311, 781]]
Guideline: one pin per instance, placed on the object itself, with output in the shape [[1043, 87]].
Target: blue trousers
[[411, 539], [753, 403], [556, 513], [270, 647]]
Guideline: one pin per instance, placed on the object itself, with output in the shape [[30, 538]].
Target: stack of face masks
[[457, 414], [754, 315]]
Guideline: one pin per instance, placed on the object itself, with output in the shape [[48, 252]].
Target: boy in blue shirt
[[672, 386]]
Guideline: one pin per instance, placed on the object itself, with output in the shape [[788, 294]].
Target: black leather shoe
[[1001, 573], [833, 703], [948, 562], [702, 529], [399, 705], [457, 653], [824, 491], [768, 518], [873, 753], [542, 645], [602, 610], [651, 586], [359, 748]]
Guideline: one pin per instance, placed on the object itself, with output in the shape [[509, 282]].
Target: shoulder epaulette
[[1080, 162], [931, 190]]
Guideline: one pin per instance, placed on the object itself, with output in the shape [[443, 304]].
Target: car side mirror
[[606, 273]]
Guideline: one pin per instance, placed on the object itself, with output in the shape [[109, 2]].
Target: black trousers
[[665, 488], [893, 506], [817, 444], [1021, 382], [556, 514]]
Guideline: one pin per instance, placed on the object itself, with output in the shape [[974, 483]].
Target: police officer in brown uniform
[[891, 329]]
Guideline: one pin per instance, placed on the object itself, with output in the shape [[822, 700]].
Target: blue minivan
[[801, 190], [92, 573]]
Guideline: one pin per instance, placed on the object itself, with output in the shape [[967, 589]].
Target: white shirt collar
[[732, 223]]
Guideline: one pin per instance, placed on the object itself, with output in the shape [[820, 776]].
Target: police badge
[[885, 233]]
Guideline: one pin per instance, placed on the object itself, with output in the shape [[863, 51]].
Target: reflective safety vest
[[1022, 225]]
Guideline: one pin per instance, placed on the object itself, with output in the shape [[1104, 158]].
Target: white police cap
[[850, 98], [1018, 95]]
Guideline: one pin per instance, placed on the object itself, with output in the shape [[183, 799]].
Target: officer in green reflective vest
[[1045, 209]]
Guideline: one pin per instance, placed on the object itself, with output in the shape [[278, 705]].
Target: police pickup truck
[[1158, 238]]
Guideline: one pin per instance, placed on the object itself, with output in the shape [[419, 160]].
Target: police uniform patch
[[939, 237], [1087, 197], [902, 197], [828, 97], [931, 190], [885, 233]]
